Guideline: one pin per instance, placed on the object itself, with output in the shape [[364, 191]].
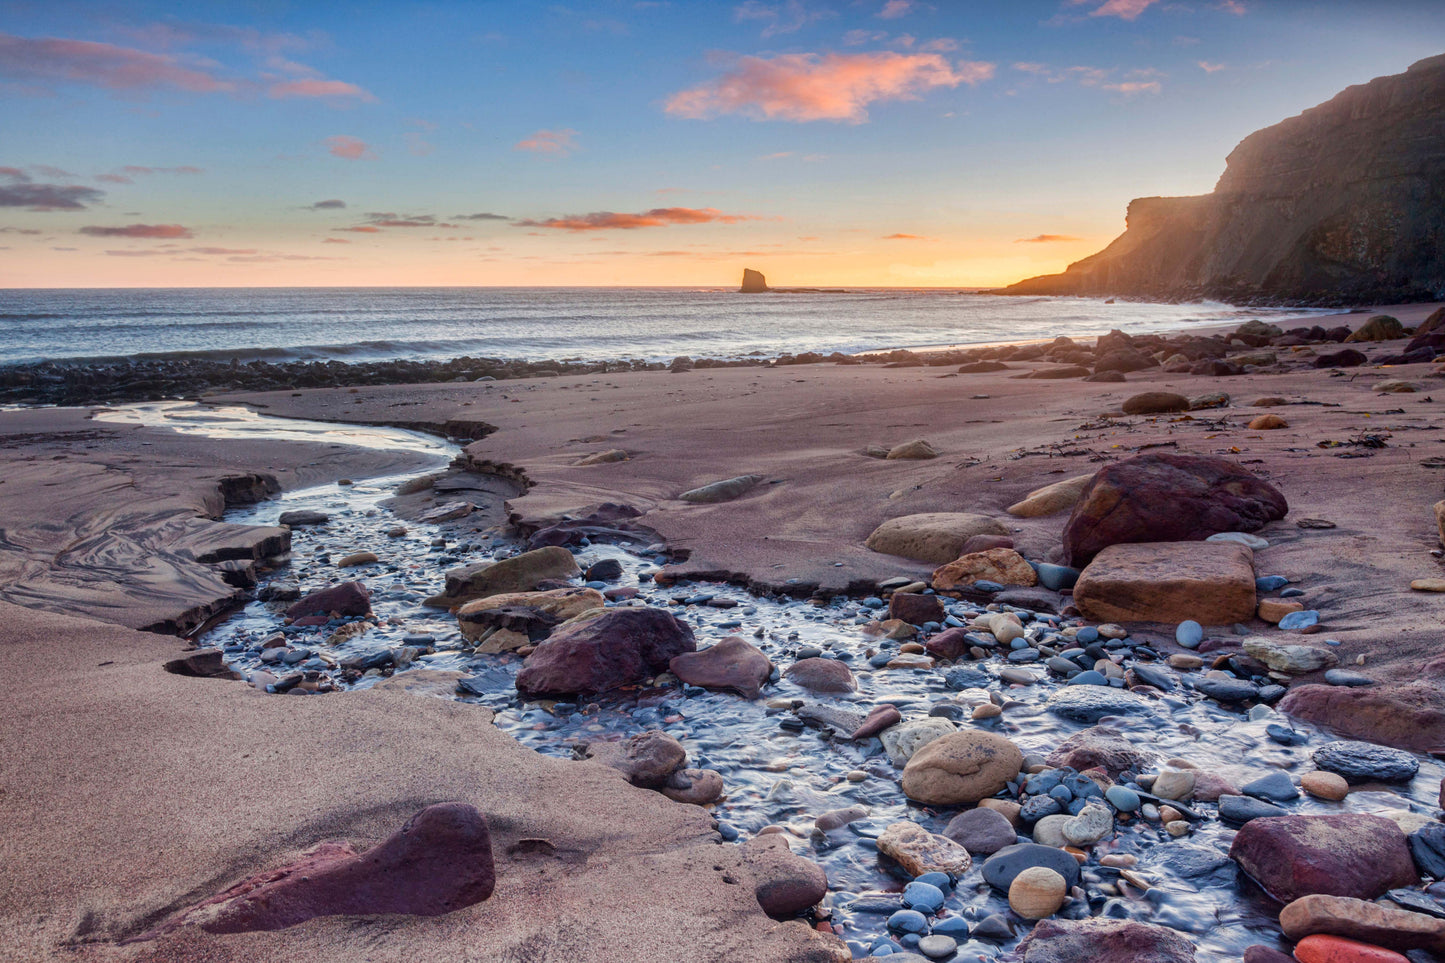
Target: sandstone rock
[[202, 664], [440, 861], [1344, 358], [476, 617], [601, 458], [915, 609], [1357, 919], [1293, 659], [1337, 949], [1037, 893], [520, 573], [1408, 716], [753, 282], [903, 741], [700, 787], [617, 647], [917, 449], [982, 543], [1325, 785], [1167, 498], [722, 491], [1154, 402], [1051, 498], [1267, 423], [785, 884], [1353, 854], [981, 831], [1381, 327], [961, 768], [1123, 360], [1104, 940], [1102, 747], [1211, 583], [647, 759], [348, 598], [733, 664], [1002, 565], [822, 675], [936, 537], [918, 851], [446, 512], [948, 644], [1272, 610]]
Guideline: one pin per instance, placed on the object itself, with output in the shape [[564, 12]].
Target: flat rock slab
[[936, 537], [1209, 582], [1090, 703]]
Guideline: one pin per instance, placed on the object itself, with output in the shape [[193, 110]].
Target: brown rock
[[700, 787], [1210, 582], [982, 543], [935, 537], [912, 450], [1272, 610], [822, 675], [1357, 919], [1168, 498], [1037, 893], [1154, 402], [476, 617], [786, 884], [1267, 423], [1002, 565], [915, 609], [520, 573], [1439, 509], [357, 558], [1102, 747], [1408, 716], [1381, 327], [981, 831], [1051, 498], [618, 647], [647, 759], [1350, 854], [348, 598], [948, 644], [1260, 953], [1103, 940], [882, 717], [1325, 785], [918, 851], [961, 768], [733, 664]]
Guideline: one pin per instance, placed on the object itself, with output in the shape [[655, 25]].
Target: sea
[[534, 324]]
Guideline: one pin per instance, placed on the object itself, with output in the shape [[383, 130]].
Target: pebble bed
[[779, 770]]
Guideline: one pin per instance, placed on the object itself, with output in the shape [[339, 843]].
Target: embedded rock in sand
[[1381, 327], [912, 450], [440, 861], [520, 573], [1155, 402], [785, 883], [1051, 498], [1209, 582], [722, 491], [647, 759], [961, 768], [616, 648], [601, 458], [1356, 919], [1350, 854], [509, 610], [1168, 498], [1408, 716], [936, 537], [1001, 565], [733, 664], [1293, 659], [1104, 940], [699, 787]]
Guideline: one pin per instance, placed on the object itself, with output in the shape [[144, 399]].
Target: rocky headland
[[1342, 204]]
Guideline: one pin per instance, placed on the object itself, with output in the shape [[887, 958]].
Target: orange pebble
[[1336, 949]]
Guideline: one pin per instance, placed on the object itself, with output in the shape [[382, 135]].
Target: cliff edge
[[1342, 203]]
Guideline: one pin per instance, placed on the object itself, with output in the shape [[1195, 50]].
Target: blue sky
[[851, 142]]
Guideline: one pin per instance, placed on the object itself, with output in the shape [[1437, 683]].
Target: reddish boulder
[[440, 861], [948, 644], [822, 675], [615, 648], [1102, 747], [1404, 716], [1348, 854], [1167, 498], [1104, 940], [733, 664], [882, 717], [647, 759], [348, 598], [915, 609], [785, 884]]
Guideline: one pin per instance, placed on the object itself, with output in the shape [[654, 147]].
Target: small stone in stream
[[915, 609], [880, 718], [908, 921], [1088, 703], [1154, 402], [982, 832], [1175, 784], [924, 897], [839, 720], [303, 516], [1017, 676], [1037, 893], [348, 598], [903, 741], [966, 677], [1427, 846], [605, 570], [722, 491], [1293, 659], [961, 768], [699, 787], [1226, 690], [838, 818], [1276, 787], [918, 851], [937, 946], [1349, 854], [440, 861], [1366, 762], [1300, 620], [732, 664], [952, 644], [785, 884], [1001, 565], [1259, 953], [1122, 798], [1000, 869], [1092, 824], [1153, 675], [646, 759], [1373, 923], [1337, 949], [1057, 577], [1238, 810], [1325, 785], [822, 675], [1347, 677]]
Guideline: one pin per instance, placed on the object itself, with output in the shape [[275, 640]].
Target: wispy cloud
[[481, 216], [349, 148], [558, 143], [1235, 7], [657, 217], [1123, 9], [1047, 239], [1210, 68], [838, 87], [1129, 87], [894, 9], [1136, 81], [167, 231], [788, 17], [22, 191], [907, 237], [316, 87], [334, 204]]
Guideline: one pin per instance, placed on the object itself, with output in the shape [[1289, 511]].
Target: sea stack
[[753, 282]]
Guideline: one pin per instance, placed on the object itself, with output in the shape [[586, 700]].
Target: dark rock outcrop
[[753, 282], [1342, 203], [615, 648]]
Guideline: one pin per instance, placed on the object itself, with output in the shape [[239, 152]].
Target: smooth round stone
[[908, 921], [941, 880], [1092, 824], [1300, 620], [1037, 893], [1226, 690], [1049, 831], [937, 947], [965, 677], [1276, 787], [1241, 809], [1090, 703], [955, 926], [1284, 735], [987, 585], [987, 711], [1018, 676], [1325, 785], [808, 652], [924, 897], [1241, 538], [1346, 677], [1037, 807], [1428, 585], [1270, 583], [1122, 798], [1364, 762], [1057, 577], [1089, 677], [1000, 869], [1179, 827], [1086, 635], [1153, 675], [1189, 634], [1291, 593]]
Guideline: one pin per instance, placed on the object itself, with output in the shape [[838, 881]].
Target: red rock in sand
[[1337, 949]]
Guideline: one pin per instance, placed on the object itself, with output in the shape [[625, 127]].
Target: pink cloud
[[1047, 239], [363, 229], [559, 142], [657, 217], [1123, 9], [1233, 6], [907, 237], [335, 240], [316, 87], [1210, 68], [113, 179], [896, 8], [350, 148], [223, 250], [139, 230], [53, 59], [804, 87], [1135, 87]]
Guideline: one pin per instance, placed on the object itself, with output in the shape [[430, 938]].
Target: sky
[[635, 142]]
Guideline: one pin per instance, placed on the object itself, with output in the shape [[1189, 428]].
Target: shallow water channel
[[775, 773]]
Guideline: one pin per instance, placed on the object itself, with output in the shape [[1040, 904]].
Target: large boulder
[[1408, 716], [934, 537], [1104, 940], [618, 647], [348, 598], [785, 884], [1051, 498], [1168, 498], [1001, 565], [1209, 582], [520, 573], [440, 861], [733, 664], [1347, 854], [961, 768], [1381, 327], [1357, 919]]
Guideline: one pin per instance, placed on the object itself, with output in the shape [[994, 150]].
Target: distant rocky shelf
[[1342, 204], [755, 283]]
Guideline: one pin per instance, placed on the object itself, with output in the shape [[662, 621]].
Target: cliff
[[1342, 203]]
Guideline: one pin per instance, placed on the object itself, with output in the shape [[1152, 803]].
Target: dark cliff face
[[1343, 203]]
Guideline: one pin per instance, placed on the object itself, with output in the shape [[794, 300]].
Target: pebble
[[1270, 583], [924, 897], [1122, 798], [1037, 893], [1325, 785], [1276, 787], [1239, 810], [908, 921], [1189, 634], [1347, 677], [1428, 585], [937, 947], [1300, 620]]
